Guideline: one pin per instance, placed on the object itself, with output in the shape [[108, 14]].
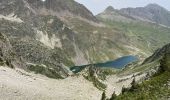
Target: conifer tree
[[133, 84], [103, 96], [113, 96], [123, 89]]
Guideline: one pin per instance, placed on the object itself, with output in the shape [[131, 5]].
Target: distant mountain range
[[152, 13]]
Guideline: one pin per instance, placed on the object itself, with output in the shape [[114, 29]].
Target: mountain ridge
[[63, 7], [153, 13]]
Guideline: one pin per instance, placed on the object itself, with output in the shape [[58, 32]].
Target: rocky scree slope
[[8, 56]]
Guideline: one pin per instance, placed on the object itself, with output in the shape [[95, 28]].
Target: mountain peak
[[154, 6], [109, 9]]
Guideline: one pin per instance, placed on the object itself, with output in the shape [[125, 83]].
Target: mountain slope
[[39, 36], [144, 36], [7, 54], [29, 8], [151, 12], [44, 39], [158, 54], [73, 44], [38, 39], [157, 86]]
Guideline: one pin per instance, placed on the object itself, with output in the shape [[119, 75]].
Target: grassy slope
[[99, 43], [143, 35], [157, 88]]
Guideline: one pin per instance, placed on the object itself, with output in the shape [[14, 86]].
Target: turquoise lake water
[[118, 63]]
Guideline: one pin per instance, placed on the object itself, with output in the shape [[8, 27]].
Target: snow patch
[[50, 21], [11, 17]]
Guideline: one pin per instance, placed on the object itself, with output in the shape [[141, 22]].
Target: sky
[[97, 6]]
